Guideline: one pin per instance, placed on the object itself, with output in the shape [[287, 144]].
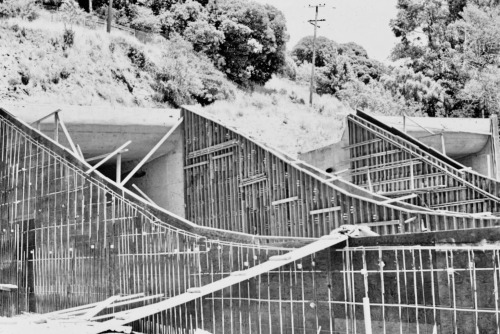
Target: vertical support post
[[404, 123], [495, 148], [369, 179], [118, 168], [366, 299], [488, 164], [56, 127], [442, 143], [311, 88], [412, 177], [90, 6], [110, 15]]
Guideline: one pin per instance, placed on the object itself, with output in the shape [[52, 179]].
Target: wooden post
[[112, 154], [119, 167], [367, 315], [495, 146], [110, 15], [404, 123], [143, 194], [56, 127], [370, 186], [488, 164], [442, 143], [412, 177], [66, 133]]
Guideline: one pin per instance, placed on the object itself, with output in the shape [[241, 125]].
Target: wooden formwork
[[69, 238], [393, 164], [234, 183]]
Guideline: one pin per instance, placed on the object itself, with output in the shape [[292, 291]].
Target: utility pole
[[110, 15], [315, 24]]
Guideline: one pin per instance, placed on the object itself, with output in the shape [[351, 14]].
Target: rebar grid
[[67, 239]]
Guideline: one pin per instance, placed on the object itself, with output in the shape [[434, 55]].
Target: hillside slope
[[39, 67]]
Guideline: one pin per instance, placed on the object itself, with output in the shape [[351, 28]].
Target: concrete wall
[[162, 179], [482, 161], [331, 158]]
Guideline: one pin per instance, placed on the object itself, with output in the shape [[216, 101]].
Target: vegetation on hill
[[280, 116], [62, 63], [244, 39], [456, 46], [346, 72], [56, 62]]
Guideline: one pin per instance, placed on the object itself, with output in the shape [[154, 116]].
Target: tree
[[255, 36], [449, 42], [325, 49], [333, 77], [416, 89], [180, 15]]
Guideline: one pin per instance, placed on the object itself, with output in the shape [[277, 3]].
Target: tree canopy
[[456, 44], [244, 39]]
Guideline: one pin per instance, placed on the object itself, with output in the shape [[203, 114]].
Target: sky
[[365, 22]]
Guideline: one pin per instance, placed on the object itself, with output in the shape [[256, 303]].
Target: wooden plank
[[383, 223], [285, 200], [8, 287], [38, 121], [221, 156], [320, 211], [374, 155], [250, 181], [392, 200], [99, 157], [471, 201], [109, 156], [363, 170], [143, 194], [362, 143], [419, 190], [126, 317], [153, 150], [212, 149], [196, 165], [99, 307]]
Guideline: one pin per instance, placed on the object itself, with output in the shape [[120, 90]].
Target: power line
[[315, 24]]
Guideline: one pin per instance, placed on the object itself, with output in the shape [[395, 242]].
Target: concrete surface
[[100, 130], [163, 178]]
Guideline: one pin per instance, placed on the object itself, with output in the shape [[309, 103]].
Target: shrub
[[186, 77], [138, 57], [25, 9], [289, 70], [144, 19], [68, 38], [25, 77], [65, 73]]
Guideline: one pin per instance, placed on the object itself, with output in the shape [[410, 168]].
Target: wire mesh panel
[[448, 289]]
